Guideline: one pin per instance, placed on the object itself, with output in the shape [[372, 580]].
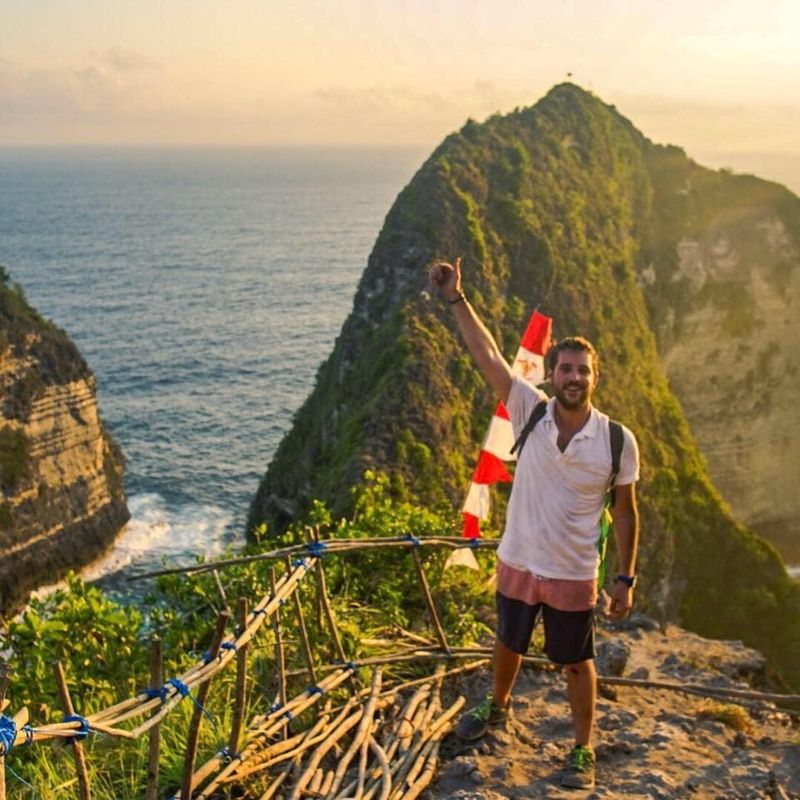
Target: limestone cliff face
[[724, 295], [671, 269], [62, 501]]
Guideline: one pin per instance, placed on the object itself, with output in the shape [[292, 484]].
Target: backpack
[[617, 441]]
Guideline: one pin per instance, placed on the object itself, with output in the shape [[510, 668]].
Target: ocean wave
[[160, 533]]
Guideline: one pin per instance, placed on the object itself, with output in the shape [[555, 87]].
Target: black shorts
[[568, 635]]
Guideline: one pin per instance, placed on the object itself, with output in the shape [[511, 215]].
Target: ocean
[[204, 288]]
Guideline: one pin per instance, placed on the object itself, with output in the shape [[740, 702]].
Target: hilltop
[[565, 206], [650, 742]]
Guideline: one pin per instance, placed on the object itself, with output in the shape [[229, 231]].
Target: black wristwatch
[[629, 580]]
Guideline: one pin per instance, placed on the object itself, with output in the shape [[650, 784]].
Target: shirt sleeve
[[522, 399], [629, 462]]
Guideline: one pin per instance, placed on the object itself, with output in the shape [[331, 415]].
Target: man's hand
[[621, 602], [448, 278]]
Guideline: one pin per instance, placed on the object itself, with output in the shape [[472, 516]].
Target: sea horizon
[[221, 278]]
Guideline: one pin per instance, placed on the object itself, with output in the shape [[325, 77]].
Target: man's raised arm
[[479, 341]]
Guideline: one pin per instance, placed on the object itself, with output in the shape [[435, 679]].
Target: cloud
[[125, 60], [114, 81]]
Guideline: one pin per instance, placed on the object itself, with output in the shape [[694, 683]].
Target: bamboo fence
[[378, 743]]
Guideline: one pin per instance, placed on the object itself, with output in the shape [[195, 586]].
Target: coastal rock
[[62, 501], [678, 273]]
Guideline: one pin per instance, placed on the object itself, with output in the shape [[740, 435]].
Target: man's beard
[[576, 401]]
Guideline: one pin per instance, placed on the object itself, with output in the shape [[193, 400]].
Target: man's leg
[[514, 627], [506, 664], [582, 693]]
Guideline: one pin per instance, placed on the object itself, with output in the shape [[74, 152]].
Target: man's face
[[574, 379]]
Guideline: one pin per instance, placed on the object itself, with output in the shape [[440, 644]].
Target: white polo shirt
[[552, 523]]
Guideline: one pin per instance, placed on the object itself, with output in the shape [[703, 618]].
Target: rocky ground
[[651, 743]]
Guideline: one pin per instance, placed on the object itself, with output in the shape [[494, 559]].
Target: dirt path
[[650, 743]]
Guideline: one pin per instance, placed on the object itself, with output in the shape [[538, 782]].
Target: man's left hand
[[621, 601]]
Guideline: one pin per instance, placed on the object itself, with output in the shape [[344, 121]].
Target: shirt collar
[[588, 431]]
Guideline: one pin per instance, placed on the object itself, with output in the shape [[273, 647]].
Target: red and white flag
[[496, 447]]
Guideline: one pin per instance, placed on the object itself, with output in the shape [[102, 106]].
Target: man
[[548, 557]]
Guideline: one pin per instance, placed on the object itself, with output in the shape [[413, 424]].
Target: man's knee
[[579, 668]]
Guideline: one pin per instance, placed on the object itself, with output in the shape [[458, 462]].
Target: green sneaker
[[579, 772], [476, 722]]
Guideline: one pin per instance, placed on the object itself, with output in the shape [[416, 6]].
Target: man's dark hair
[[576, 344]]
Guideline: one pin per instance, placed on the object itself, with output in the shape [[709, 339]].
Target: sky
[[719, 77]]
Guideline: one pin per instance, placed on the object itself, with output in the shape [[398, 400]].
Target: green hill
[[564, 206]]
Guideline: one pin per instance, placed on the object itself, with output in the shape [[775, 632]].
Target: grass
[[729, 714]]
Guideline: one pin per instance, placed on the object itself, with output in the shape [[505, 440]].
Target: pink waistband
[[558, 593]]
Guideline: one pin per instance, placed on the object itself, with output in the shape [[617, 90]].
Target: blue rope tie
[[312, 690], [84, 729], [228, 646], [282, 601], [260, 611], [317, 548], [299, 562], [160, 693], [178, 684], [288, 715], [351, 665], [474, 543], [413, 539], [183, 690], [8, 733], [29, 731], [275, 707]]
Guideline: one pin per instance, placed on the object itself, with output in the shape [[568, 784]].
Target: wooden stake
[[429, 600], [301, 620], [322, 593], [84, 788], [221, 590], [241, 680], [197, 717], [156, 681], [279, 653]]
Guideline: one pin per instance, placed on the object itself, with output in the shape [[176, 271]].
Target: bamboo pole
[[334, 546], [197, 716], [383, 764], [437, 625], [84, 789], [241, 681], [280, 658], [156, 681], [364, 729], [322, 592], [221, 590], [301, 621]]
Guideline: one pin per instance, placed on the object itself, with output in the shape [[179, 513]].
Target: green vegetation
[[103, 646], [14, 457], [559, 207], [730, 714]]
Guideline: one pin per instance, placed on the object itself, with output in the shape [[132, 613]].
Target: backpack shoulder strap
[[536, 415], [617, 442]]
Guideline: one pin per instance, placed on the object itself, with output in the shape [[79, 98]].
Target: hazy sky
[[719, 77]]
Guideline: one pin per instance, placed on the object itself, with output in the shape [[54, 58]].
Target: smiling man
[[548, 558]]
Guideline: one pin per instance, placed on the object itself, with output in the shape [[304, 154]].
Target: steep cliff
[[564, 206], [62, 500], [721, 273]]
